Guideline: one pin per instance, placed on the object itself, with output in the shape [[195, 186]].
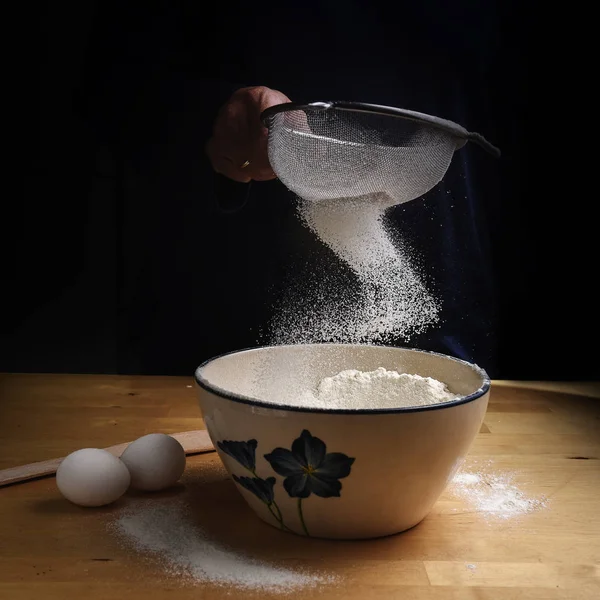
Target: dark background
[[98, 266]]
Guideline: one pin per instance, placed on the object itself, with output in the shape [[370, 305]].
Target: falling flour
[[352, 389], [493, 494], [166, 531], [385, 299]]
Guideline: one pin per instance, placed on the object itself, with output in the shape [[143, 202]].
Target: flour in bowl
[[380, 388]]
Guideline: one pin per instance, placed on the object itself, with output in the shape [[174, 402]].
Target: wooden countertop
[[545, 437]]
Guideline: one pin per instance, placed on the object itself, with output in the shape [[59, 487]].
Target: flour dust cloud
[[385, 299]]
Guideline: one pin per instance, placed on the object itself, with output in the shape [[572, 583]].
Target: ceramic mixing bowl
[[337, 473]]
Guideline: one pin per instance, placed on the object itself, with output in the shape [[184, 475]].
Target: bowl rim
[[248, 400]]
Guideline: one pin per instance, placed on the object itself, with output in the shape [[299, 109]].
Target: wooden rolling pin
[[193, 442]]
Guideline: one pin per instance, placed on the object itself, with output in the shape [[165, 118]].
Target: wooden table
[[547, 436]]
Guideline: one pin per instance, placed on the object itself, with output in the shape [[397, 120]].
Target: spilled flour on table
[[165, 531], [494, 494]]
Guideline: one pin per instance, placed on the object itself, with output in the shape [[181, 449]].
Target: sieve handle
[[481, 141]]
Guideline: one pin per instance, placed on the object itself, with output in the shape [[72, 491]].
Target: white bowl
[[340, 473]]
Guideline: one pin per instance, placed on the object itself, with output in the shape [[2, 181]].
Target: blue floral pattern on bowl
[[307, 468]]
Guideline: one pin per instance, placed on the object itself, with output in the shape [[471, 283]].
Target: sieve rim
[[252, 401], [450, 127]]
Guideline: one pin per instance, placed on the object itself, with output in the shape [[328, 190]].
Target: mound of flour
[[380, 388]]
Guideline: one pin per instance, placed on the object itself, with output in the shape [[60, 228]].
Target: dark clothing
[[150, 275]]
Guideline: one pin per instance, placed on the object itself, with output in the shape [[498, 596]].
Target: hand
[[238, 146]]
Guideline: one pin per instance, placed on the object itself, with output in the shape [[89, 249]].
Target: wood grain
[[545, 437]]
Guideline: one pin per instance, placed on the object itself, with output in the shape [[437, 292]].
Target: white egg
[[155, 462], [92, 477]]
